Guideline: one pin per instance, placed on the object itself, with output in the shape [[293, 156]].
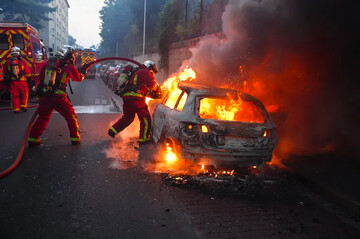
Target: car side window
[[172, 98], [182, 101]]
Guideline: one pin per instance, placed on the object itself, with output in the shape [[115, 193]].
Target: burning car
[[214, 126]]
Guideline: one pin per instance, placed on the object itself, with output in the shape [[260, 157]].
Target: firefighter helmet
[[128, 69], [151, 66], [59, 54], [15, 51], [69, 53]]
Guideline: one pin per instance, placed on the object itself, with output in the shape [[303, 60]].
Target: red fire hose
[[112, 58], [21, 152]]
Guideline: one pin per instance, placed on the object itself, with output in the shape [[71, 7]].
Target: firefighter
[[141, 84], [17, 73], [54, 77]]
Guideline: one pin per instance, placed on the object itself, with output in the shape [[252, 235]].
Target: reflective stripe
[[135, 79], [77, 124], [146, 128], [75, 139], [33, 140], [60, 92], [143, 140], [26, 99], [63, 79], [133, 94], [114, 130]]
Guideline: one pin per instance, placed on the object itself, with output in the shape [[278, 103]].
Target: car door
[[165, 114]]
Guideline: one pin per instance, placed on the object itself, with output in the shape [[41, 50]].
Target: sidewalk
[[337, 176]]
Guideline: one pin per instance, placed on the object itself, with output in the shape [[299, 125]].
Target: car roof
[[203, 90]]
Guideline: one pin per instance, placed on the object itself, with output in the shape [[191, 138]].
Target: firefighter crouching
[[141, 83], [17, 73], [54, 77]]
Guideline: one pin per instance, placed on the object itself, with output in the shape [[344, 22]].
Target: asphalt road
[[104, 188]]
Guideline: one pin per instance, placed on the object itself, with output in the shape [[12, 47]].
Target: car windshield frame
[[178, 100]]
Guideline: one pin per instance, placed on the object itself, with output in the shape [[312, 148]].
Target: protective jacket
[[141, 82], [57, 100], [68, 71], [17, 73]]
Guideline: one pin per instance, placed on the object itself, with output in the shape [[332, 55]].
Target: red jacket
[[68, 72], [16, 70], [144, 81]]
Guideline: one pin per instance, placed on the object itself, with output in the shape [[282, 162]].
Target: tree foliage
[[122, 26], [167, 21], [30, 11]]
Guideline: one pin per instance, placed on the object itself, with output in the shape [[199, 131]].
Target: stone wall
[[179, 51]]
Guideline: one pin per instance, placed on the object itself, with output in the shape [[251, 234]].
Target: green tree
[[122, 26], [166, 28], [30, 11]]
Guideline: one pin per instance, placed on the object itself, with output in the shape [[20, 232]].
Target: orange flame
[[170, 84], [232, 110], [170, 155]]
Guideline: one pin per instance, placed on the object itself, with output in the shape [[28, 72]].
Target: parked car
[[103, 69], [114, 76], [187, 121], [107, 74]]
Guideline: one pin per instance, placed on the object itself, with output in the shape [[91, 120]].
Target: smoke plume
[[298, 57]]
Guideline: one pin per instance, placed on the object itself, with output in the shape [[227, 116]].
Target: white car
[[214, 126]]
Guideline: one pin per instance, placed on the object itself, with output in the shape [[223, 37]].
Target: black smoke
[[301, 55]]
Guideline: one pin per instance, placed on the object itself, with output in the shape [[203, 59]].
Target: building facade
[[55, 32]]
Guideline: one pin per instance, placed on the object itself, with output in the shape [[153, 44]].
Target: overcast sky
[[84, 21]]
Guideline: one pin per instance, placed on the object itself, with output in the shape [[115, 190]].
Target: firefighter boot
[[33, 144], [111, 133], [74, 143]]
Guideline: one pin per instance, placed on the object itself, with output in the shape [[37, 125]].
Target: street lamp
[[144, 29]]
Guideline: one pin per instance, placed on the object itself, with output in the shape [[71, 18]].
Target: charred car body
[[215, 126]]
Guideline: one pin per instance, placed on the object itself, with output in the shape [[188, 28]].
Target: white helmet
[[15, 51], [59, 54], [151, 66]]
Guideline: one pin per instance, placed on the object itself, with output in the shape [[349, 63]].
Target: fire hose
[[84, 68], [87, 65]]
